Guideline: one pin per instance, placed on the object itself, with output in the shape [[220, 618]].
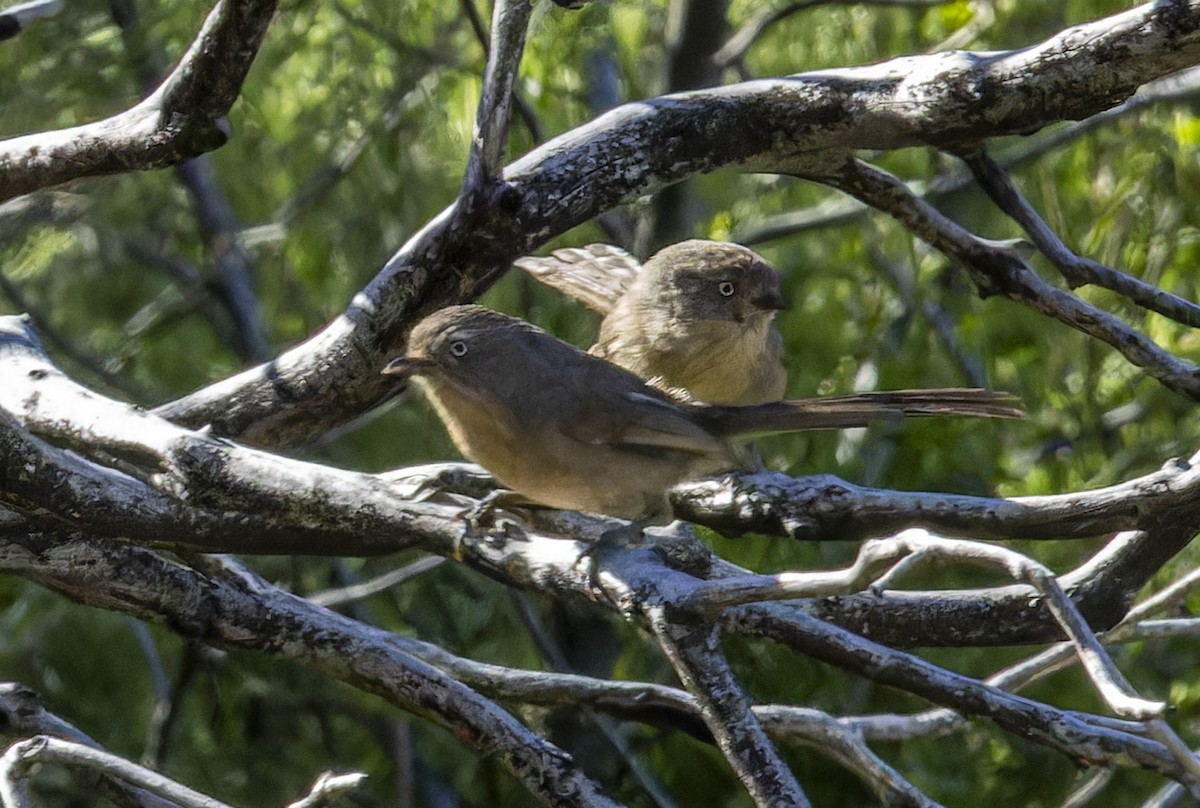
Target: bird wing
[[643, 422], [596, 275]]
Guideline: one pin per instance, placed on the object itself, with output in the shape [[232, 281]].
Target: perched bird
[[697, 316], [568, 430]]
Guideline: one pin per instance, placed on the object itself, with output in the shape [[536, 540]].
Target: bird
[[568, 430], [698, 316]]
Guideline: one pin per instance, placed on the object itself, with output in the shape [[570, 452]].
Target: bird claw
[[482, 514]]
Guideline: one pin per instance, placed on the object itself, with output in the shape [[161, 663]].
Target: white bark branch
[[17, 760], [510, 19]]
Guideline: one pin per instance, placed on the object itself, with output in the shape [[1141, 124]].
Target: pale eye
[[725, 288], [458, 348]]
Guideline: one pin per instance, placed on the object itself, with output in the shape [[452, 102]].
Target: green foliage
[[400, 80]]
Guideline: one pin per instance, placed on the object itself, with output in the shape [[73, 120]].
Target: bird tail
[[861, 409]]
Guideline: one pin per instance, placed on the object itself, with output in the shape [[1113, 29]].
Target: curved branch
[[1071, 733], [237, 609], [842, 210], [233, 608], [15, 19], [797, 124], [692, 649], [26, 754], [181, 119]]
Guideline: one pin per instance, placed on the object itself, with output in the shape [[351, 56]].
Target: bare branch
[[15, 19], [841, 210], [998, 271], [510, 20], [233, 608], [181, 119], [694, 653], [333, 598], [255, 615], [824, 507], [528, 116], [1079, 736], [327, 788], [22, 755], [22, 715]]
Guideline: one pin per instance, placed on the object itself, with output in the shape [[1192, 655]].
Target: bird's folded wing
[[643, 423]]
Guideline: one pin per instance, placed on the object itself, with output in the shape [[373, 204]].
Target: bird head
[[713, 280]]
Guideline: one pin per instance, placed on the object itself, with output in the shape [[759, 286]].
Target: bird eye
[[458, 348], [725, 288]]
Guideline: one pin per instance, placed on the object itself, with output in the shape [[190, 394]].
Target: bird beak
[[406, 367], [770, 300]]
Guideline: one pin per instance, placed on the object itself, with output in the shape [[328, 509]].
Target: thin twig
[[20, 756], [329, 787], [528, 116], [1090, 788], [333, 598], [837, 211]]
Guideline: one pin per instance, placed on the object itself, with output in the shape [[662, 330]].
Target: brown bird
[[697, 316], [568, 430]]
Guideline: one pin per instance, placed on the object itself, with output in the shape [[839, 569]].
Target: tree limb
[[181, 119]]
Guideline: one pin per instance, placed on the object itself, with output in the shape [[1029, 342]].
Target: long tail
[[860, 409]]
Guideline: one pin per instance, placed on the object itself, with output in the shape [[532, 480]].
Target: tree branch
[[824, 507], [998, 271], [841, 210], [510, 19], [15, 19], [231, 607], [23, 755], [1074, 734], [1078, 271], [181, 119], [695, 655]]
